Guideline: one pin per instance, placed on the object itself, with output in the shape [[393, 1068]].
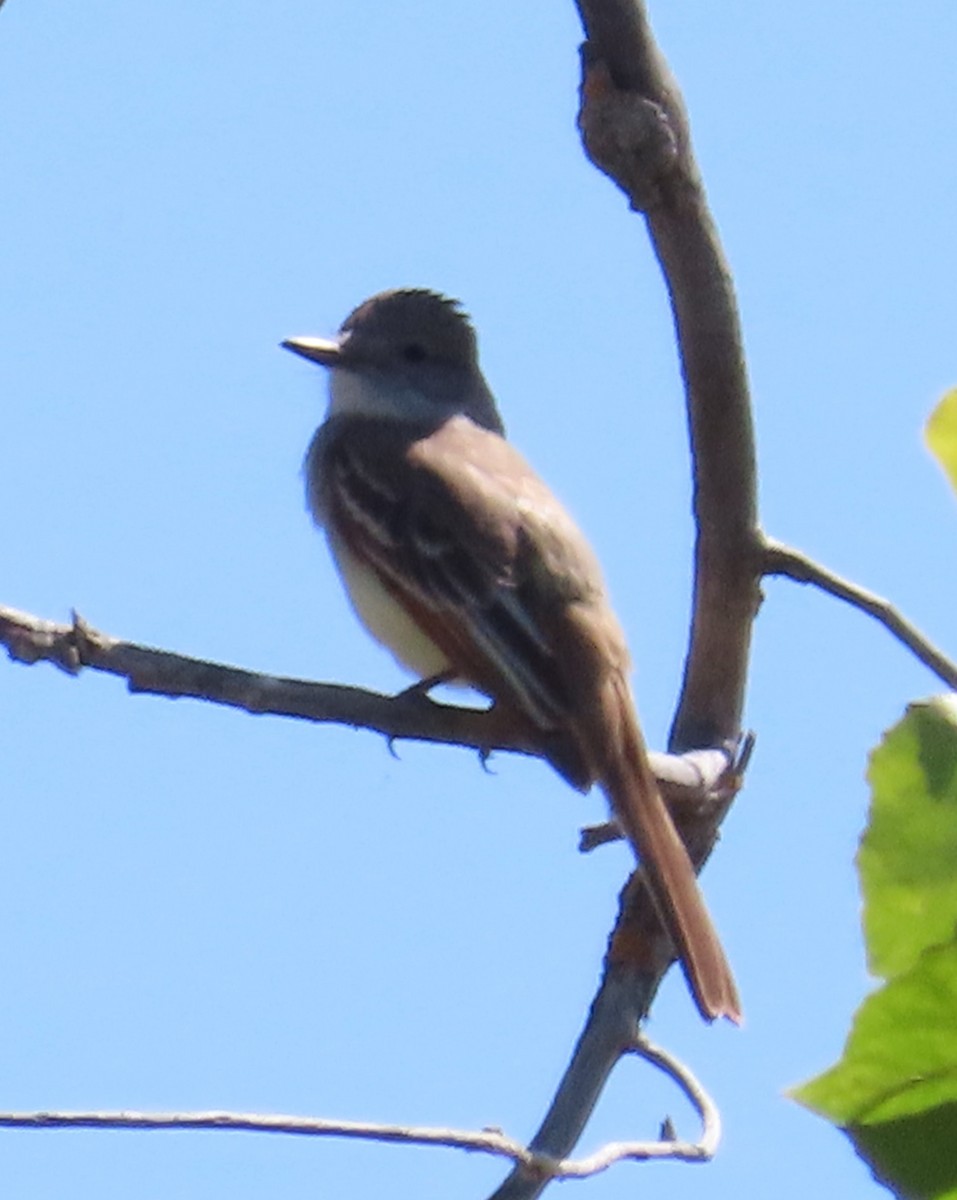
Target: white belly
[[385, 618]]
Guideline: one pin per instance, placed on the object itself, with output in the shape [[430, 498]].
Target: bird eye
[[414, 352]]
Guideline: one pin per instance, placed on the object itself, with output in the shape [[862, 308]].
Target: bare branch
[[489, 1141], [609, 1034], [699, 1099], [693, 784], [635, 129], [780, 559], [411, 714], [689, 780]]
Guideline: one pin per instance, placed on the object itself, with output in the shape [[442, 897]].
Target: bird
[[461, 561]]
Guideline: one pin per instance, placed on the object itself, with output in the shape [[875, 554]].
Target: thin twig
[[780, 559], [610, 1034], [692, 1087], [488, 1141]]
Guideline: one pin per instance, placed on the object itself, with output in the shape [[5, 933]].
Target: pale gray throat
[[375, 392]]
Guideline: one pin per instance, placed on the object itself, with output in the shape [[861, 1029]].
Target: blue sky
[[206, 910]]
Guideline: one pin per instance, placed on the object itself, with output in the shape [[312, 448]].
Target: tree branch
[[411, 714], [489, 1141], [779, 559], [635, 129], [689, 782]]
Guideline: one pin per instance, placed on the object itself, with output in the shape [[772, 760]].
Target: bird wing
[[472, 543], [492, 568]]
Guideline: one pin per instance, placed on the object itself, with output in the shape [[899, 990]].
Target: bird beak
[[326, 351]]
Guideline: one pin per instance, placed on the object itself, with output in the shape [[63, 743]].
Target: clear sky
[[201, 909]]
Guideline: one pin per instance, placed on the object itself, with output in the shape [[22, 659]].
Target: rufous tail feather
[[633, 794]]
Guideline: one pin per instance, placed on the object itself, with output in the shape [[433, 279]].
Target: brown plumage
[[461, 560]]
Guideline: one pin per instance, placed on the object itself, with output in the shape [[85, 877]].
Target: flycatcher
[[459, 559]]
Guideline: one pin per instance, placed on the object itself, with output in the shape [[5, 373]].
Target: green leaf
[[901, 1056], [941, 435], [914, 1156], [894, 1092], [908, 855]]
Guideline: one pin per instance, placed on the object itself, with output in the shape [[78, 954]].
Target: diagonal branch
[[780, 559]]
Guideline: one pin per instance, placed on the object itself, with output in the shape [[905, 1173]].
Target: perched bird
[[460, 560]]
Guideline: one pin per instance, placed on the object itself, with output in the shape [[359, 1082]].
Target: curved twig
[[489, 1141], [635, 129]]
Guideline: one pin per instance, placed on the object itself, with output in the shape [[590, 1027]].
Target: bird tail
[[632, 792]]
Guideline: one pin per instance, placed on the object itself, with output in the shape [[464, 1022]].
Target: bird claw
[[484, 758]]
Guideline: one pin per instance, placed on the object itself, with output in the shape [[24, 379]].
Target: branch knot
[[627, 136]]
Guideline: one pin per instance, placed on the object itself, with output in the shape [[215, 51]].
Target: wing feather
[[471, 542]]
